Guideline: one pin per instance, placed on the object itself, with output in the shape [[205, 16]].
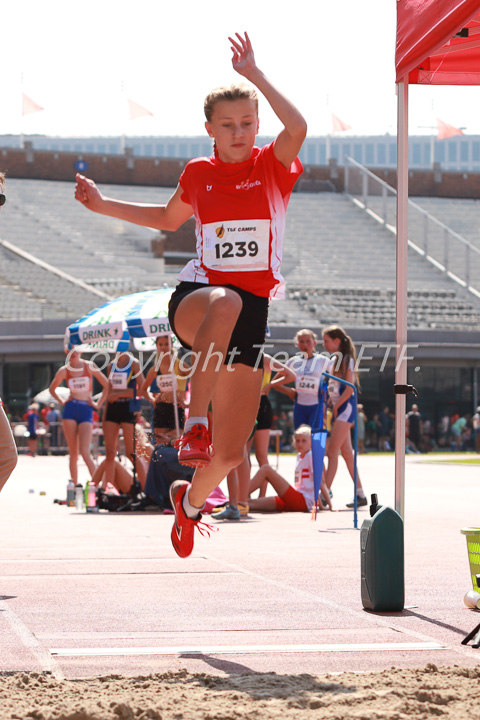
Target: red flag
[[137, 111], [29, 105], [446, 131], [338, 125]]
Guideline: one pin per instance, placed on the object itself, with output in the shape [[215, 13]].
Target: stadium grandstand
[[58, 261]]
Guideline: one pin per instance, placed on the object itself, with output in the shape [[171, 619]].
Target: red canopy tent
[[438, 43]]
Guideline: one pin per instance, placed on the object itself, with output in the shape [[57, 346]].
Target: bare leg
[[70, 431], [348, 455], [84, 439], [340, 430], [262, 441], [243, 474], [110, 436], [279, 484], [8, 449], [232, 483], [140, 465], [235, 405], [205, 320]]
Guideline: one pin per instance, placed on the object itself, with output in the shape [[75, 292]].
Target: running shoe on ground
[[195, 448], [361, 502], [184, 527], [229, 512], [243, 507]]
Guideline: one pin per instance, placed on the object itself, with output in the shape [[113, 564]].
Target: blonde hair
[[303, 430], [305, 332], [346, 350], [231, 92], [2, 180]]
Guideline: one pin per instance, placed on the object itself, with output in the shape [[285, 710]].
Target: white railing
[[448, 251]]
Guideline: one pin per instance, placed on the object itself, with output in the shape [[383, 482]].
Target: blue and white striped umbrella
[[140, 316]]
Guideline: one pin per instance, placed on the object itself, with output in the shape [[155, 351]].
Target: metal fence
[[448, 251]]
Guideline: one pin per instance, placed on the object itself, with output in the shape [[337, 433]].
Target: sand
[[394, 694]]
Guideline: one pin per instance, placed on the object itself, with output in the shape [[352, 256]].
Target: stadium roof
[[438, 42]]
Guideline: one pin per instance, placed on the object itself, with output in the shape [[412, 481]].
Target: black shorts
[[164, 416], [119, 412], [265, 414], [248, 334]]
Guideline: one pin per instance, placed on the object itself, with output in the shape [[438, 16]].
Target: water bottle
[[91, 496], [79, 497], [70, 493]]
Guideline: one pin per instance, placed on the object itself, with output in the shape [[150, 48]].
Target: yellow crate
[[472, 535]]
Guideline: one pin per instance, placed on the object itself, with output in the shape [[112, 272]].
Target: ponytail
[[346, 351]]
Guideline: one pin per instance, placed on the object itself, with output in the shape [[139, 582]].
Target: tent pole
[[401, 287]]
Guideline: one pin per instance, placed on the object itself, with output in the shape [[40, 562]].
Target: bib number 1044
[[237, 249]]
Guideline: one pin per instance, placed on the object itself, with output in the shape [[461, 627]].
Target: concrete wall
[[164, 172]]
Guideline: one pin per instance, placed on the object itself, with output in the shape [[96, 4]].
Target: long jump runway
[[94, 594]]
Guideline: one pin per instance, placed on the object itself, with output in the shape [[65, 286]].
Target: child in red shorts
[[290, 499]]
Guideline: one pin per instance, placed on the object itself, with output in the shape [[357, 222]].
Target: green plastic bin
[[472, 535]]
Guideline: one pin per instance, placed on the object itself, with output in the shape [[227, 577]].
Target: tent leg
[[401, 288]]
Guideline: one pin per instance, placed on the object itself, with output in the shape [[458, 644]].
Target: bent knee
[[231, 458], [225, 303]]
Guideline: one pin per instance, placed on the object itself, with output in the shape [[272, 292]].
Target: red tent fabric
[[438, 42]]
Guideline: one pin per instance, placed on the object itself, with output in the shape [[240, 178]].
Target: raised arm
[[161, 217], [290, 139]]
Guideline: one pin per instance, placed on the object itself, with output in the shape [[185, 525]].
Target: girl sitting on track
[[291, 499], [219, 310]]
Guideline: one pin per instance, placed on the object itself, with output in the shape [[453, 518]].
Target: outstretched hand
[[243, 59], [87, 192]]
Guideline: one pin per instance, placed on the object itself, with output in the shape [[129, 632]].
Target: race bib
[[165, 383], [333, 389], [308, 384], [119, 381], [79, 384], [236, 245]]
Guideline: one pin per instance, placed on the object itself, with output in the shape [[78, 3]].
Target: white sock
[[190, 510], [195, 421], [360, 493]]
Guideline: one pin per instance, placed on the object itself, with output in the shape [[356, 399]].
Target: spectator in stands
[[443, 428], [77, 421], [476, 429], [458, 428], [53, 419], [414, 429], [340, 398], [8, 449], [32, 417], [123, 405], [300, 498], [308, 367], [385, 425], [371, 430], [361, 428], [158, 389]]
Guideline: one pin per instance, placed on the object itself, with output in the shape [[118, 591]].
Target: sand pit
[[392, 694]]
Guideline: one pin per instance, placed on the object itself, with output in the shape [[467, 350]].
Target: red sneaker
[[195, 447], [183, 527]]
